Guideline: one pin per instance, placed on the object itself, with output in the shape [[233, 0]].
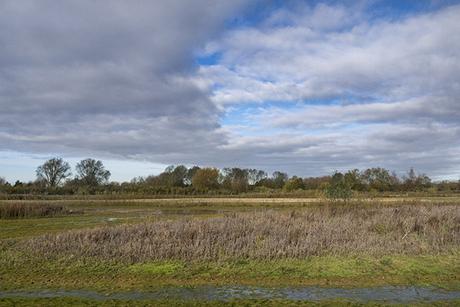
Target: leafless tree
[[53, 172], [92, 172]]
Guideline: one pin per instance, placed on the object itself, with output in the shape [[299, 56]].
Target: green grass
[[22, 272]]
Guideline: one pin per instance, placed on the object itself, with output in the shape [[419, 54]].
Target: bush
[[338, 188]]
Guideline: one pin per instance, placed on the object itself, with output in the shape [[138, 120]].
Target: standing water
[[210, 293]]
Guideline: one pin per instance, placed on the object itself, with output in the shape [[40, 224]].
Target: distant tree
[[416, 182], [91, 172], [53, 172], [138, 180], [379, 179], [279, 179], [3, 184], [316, 183], [294, 183], [190, 173], [18, 183], [354, 179], [254, 176], [206, 178], [177, 176], [338, 188], [236, 179]]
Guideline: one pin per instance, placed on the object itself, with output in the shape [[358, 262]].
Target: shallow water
[[382, 294]]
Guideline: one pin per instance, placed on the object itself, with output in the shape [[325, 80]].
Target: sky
[[304, 87]]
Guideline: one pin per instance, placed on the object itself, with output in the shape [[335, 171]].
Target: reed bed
[[319, 231], [29, 210]]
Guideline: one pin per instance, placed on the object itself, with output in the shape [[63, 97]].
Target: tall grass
[[327, 230], [23, 210]]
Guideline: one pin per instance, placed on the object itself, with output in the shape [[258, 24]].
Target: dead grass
[[325, 230], [28, 210]]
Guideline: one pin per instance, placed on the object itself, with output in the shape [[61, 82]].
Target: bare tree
[[53, 172], [92, 172]]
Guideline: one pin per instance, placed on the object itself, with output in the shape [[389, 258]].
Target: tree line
[[55, 176]]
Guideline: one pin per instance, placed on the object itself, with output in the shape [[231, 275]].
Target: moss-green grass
[[23, 272]]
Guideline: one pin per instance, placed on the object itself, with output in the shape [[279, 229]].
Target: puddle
[[382, 294]]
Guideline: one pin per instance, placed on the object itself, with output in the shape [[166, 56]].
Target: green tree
[[379, 179], [338, 188], [294, 183], [353, 179]]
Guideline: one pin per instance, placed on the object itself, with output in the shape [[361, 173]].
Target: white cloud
[[413, 57], [394, 86]]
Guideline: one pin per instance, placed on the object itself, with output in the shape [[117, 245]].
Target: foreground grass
[[20, 271], [332, 245], [84, 302]]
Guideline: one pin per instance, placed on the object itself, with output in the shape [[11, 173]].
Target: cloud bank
[[307, 89]]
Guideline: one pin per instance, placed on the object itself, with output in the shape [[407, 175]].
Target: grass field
[[141, 245]]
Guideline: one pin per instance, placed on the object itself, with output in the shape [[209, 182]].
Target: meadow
[[117, 246]]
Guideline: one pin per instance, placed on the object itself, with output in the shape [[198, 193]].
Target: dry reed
[[23, 210], [327, 230]]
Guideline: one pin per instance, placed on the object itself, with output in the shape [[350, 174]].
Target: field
[[228, 250]]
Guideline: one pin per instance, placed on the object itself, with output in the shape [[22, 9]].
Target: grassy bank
[[20, 271]]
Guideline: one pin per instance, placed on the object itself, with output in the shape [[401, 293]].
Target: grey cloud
[[108, 77]]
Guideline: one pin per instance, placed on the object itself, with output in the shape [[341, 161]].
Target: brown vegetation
[[23, 210], [324, 230]]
